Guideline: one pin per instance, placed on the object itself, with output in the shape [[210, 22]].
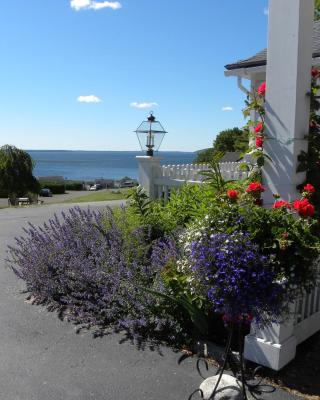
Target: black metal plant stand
[[248, 383]]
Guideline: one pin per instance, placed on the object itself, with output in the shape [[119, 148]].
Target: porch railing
[[167, 177], [275, 346]]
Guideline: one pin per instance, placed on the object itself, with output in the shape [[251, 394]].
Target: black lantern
[[150, 134]]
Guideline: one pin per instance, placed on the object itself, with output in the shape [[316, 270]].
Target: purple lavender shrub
[[85, 263]]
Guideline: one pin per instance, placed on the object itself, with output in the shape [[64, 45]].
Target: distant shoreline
[[113, 151], [90, 165]]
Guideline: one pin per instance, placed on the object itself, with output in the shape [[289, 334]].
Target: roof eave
[[246, 73], [247, 70], [245, 65]]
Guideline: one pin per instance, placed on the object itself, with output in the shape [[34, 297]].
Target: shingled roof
[[261, 57]]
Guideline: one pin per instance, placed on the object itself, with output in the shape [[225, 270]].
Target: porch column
[[287, 124], [287, 102]]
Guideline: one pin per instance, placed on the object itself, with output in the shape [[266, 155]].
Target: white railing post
[[149, 170], [273, 346]]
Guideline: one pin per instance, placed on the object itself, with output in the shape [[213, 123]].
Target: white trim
[[248, 72]]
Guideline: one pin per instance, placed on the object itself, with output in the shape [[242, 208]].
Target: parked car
[[128, 184], [45, 192], [96, 186]]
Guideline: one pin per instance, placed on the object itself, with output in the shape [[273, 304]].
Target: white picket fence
[[167, 177]]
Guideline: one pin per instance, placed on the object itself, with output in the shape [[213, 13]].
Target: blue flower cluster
[[237, 278]]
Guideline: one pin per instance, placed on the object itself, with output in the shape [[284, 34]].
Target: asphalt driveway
[[56, 198], [42, 358]]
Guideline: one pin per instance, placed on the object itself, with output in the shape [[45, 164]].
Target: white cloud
[[115, 5], [266, 11], [78, 4], [88, 99], [144, 105], [227, 108], [94, 5]]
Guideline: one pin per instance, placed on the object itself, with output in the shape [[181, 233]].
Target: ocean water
[[90, 165]]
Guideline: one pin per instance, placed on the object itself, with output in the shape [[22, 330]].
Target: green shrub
[[55, 187], [3, 194], [186, 203], [74, 186]]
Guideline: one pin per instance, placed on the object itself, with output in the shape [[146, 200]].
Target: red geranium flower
[[258, 202], [315, 72], [249, 317], [225, 318], [262, 89], [232, 194], [258, 128], [304, 208], [312, 125], [281, 203], [259, 141], [309, 188], [255, 187]]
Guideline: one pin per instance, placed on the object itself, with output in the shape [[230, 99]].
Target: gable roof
[[261, 58], [231, 156]]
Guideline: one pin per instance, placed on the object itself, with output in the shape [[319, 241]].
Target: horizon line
[[115, 151]]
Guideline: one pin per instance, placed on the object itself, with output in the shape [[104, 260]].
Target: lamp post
[[150, 134]]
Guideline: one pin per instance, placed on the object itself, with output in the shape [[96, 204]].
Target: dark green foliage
[[3, 194], [55, 187], [186, 203], [140, 201], [204, 156], [186, 303], [231, 140], [192, 303], [213, 176], [16, 172], [74, 185]]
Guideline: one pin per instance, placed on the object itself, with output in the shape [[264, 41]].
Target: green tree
[[204, 156], [16, 172], [234, 139]]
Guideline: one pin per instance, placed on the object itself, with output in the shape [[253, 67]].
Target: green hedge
[[74, 186], [3, 195], [55, 187]]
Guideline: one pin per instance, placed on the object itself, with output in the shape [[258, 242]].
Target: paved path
[[59, 198], [42, 358]]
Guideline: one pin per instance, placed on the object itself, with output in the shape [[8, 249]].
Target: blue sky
[[56, 53]]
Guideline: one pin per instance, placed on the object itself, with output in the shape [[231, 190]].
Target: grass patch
[[109, 194]]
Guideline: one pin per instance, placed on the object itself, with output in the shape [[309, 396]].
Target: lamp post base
[[238, 386]]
